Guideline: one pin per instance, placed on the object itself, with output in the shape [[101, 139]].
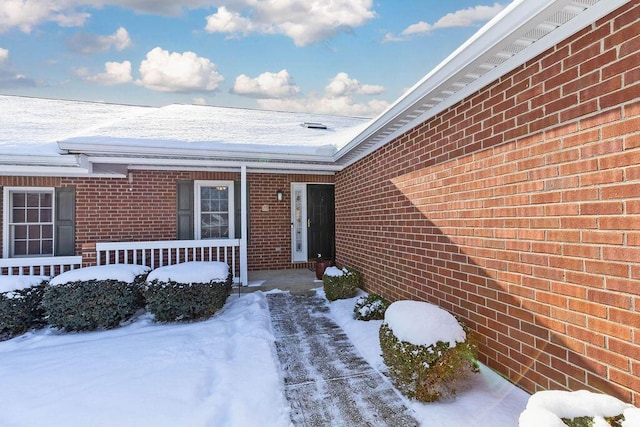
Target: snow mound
[[191, 272], [547, 408], [334, 272], [121, 272], [16, 283], [421, 323]]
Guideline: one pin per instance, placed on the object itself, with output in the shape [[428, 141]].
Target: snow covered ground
[[220, 372]]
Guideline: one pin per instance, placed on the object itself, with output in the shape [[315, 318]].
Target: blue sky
[[346, 57]]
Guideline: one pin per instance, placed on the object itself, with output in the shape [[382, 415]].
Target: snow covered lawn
[[222, 372]]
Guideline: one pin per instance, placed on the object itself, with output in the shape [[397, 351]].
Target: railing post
[[244, 273]]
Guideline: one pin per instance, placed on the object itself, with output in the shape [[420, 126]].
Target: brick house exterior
[[518, 209], [515, 207], [145, 209]]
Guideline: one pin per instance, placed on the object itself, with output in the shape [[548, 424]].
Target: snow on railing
[[42, 266], [168, 252]]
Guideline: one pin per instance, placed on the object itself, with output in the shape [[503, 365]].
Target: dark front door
[[321, 221]]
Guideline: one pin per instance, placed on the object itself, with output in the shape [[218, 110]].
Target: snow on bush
[[370, 307], [428, 351], [126, 273], [188, 291], [556, 408], [20, 304], [191, 272]]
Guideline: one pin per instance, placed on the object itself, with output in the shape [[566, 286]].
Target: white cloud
[[266, 85], [304, 22], [460, 18], [343, 85], [199, 101], [8, 77], [115, 73], [225, 21], [178, 72], [90, 43], [4, 56], [339, 98], [392, 38], [26, 14]]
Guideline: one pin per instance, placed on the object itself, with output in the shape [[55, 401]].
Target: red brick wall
[[519, 210], [115, 210]]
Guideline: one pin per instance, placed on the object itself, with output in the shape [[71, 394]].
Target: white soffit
[[525, 29]]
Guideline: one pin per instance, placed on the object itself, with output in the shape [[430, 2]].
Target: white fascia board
[[30, 170], [36, 160], [204, 164], [98, 149], [503, 27]]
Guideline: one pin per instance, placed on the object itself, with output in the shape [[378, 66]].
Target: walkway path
[[326, 382]]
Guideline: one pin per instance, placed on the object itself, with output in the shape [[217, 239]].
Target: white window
[[28, 221], [214, 216]]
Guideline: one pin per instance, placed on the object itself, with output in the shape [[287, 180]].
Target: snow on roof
[[204, 126], [29, 123], [43, 123]]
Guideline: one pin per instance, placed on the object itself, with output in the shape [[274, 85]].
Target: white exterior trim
[[196, 206], [6, 200]]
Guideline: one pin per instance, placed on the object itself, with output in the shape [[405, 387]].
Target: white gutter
[[149, 163], [276, 153]]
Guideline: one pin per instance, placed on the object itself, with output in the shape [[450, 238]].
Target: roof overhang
[[522, 31], [518, 34]]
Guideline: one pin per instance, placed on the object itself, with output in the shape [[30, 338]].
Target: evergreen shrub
[[370, 307], [171, 301], [341, 283], [86, 305], [21, 310], [428, 373]]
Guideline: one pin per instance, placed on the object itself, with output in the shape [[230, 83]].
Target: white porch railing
[[42, 266], [168, 252]]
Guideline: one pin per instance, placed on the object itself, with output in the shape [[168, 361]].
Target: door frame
[[300, 253]]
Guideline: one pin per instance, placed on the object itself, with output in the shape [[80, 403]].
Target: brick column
[[89, 254]]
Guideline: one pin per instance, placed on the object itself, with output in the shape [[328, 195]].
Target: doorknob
[[308, 222]]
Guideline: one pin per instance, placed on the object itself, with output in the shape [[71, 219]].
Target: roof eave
[[513, 22], [138, 151]]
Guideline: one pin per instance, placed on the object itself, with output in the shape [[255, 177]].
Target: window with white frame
[[214, 216], [29, 221]]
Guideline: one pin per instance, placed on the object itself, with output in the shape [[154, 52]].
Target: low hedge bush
[[341, 283], [20, 309], [86, 305], [428, 372], [370, 307], [189, 291], [172, 301]]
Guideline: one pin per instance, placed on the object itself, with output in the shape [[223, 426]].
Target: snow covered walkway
[[326, 381]]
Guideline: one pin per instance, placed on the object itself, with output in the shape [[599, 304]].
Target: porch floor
[[300, 281]]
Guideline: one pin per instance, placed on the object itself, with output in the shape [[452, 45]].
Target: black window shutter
[[184, 193], [237, 209], [65, 222]]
